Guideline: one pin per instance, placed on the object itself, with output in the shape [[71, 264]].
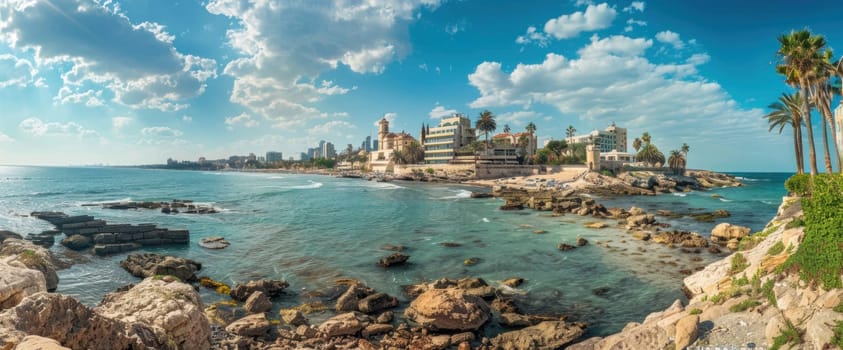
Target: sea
[[311, 230]]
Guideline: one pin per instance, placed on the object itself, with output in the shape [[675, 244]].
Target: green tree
[[636, 144], [650, 154], [486, 124], [798, 56], [570, 132], [506, 128], [822, 98], [645, 137], [677, 162], [787, 111], [555, 148]]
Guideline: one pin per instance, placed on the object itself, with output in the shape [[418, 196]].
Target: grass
[[798, 222], [767, 291], [839, 307], [838, 335], [740, 282], [739, 263], [695, 312], [787, 336], [744, 305], [776, 249]]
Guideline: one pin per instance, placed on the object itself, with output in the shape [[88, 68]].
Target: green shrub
[[838, 335], [799, 184], [767, 291], [798, 222], [744, 305], [695, 312], [739, 263], [776, 249], [429, 171], [819, 259], [839, 307], [787, 336], [740, 282], [718, 298]]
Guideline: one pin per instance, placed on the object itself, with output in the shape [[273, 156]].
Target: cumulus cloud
[[594, 18], [533, 36], [441, 112], [37, 127], [613, 80], [187, 118], [138, 63], [6, 138], [631, 23], [671, 38], [90, 98], [517, 118], [242, 119], [16, 71], [284, 47], [120, 122], [390, 117], [635, 6], [161, 132]]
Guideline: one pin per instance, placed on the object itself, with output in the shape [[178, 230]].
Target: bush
[[799, 184], [739, 263], [429, 171], [695, 312], [838, 335], [744, 305], [787, 336], [776, 249], [767, 291], [798, 222]]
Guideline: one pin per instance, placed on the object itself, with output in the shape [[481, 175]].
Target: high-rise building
[[374, 146], [328, 150], [304, 156], [273, 157], [442, 141], [611, 139]]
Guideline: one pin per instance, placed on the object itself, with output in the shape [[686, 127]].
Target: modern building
[[611, 139], [304, 156], [274, 157], [374, 145], [442, 142], [328, 150], [367, 144]]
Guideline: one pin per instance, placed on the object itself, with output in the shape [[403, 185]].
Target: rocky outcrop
[[34, 342], [172, 309], [174, 207], [724, 232], [149, 265], [360, 298], [77, 242], [349, 323], [250, 326], [17, 283], [271, 288], [257, 303], [448, 309], [547, 335], [25, 254]]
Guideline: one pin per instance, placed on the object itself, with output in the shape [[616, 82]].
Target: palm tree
[[685, 149], [646, 137], [636, 144], [677, 162], [788, 112], [531, 128], [822, 98], [570, 132], [506, 129], [486, 124], [650, 154], [798, 55]]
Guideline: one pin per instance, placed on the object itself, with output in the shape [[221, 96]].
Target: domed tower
[[383, 130]]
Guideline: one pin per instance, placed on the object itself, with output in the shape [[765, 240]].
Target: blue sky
[[86, 82]]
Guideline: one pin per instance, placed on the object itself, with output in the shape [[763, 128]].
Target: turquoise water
[[311, 229]]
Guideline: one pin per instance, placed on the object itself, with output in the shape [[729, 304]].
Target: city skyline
[[133, 83]]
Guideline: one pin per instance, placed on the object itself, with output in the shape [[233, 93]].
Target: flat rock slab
[[214, 242]]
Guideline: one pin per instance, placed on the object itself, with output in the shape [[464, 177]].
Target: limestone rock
[[376, 302], [640, 220], [345, 324], [293, 317], [250, 326], [448, 309], [25, 254], [257, 303], [77, 242], [172, 309], [547, 335], [34, 342], [375, 329], [149, 265], [17, 283], [686, 331], [393, 260], [597, 225], [272, 289], [513, 282], [214, 242], [350, 299], [818, 329], [725, 232]]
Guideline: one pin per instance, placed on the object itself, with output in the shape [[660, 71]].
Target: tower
[[592, 157], [383, 130]]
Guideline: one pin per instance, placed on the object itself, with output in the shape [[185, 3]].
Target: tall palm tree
[[636, 144], [506, 129], [531, 128], [486, 124], [798, 56], [822, 97], [646, 137], [676, 162], [788, 112], [570, 132], [650, 154], [685, 149]]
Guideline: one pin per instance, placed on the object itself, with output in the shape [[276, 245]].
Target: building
[[328, 150], [443, 142], [611, 139], [367, 144], [374, 145], [274, 157], [388, 142], [304, 156]]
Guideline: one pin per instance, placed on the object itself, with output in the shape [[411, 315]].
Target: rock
[[600, 291], [214, 242], [448, 309], [597, 225], [471, 261], [581, 241], [394, 248], [636, 211], [450, 244], [34, 342], [481, 195], [547, 335], [713, 249], [375, 329], [69, 322], [344, 324], [8, 234], [350, 299], [565, 247], [393, 260], [16, 283], [819, 329], [25, 254], [272, 289], [77, 242], [513, 282], [376, 302], [539, 232], [293, 317], [385, 317], [504, 305], [641, 235], [686, 331], [512, 320], [148, 265], [725, 232], [250, 326], [733, 244], [640, 220], [257, 303], [43, 240], [177, 311]]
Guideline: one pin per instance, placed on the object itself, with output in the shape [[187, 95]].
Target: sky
[[137, 82]]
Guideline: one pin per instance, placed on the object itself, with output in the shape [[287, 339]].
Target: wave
[[460, 195], [121, 200], [485, 220], [312, 185], [769, 202], [680, 194], [276, 177], [750, 179], [725, 200]]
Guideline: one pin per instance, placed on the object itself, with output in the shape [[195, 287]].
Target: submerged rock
[[272, 288], [148, 265], [214, 242], [393, 260]]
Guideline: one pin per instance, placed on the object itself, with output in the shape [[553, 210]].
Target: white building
[[611, 139]]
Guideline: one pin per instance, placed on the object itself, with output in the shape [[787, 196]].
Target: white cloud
[[284, 47], [390, 117], [37, 127], [453, 29], [613, 80], [6, 138], [698, 59], [120, 122], [423, 67], [594, 18], [517, 118], [138, 63], [16, 71], [440, 112], [532, 36], [243, 119], [671, 38], [334, 126], [635, 6], [161, 132], [187, 118], [631, 23]]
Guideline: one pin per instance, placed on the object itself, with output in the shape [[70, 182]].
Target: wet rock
[[257, 303], [394, 248], [376, 302], [565, 247], [272, 289], [450, 244], [448, 309], [376, 328], [600, 291], [350, 299], [547, 335], [77, 242], [8, 234], [148, 265], [596, 225], [214, 242], [293, 317], [481, 195], [250, 326], [471, 261], [513, 320], [513, 282], [393, 260], [641, 235], [344, 324], [504, 305], [640, 220], [581, 241], [713, 249], [680, 238], [43, 240]]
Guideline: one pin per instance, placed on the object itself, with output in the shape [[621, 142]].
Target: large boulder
[[25, 254], [345, 324], [448, 309], [72, 324], [547, 335], [640, 220], [377, 302], [34, 342], [350, 299], [271, 288], [16, 283], [725, 232], [77, 242], [257, 303], [149, 265], [250, 326], [686, 331], [173, 309]]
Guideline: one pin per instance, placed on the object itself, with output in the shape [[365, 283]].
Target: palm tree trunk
[[827, 154], [800, 157], [824, 105], [806, 112]]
